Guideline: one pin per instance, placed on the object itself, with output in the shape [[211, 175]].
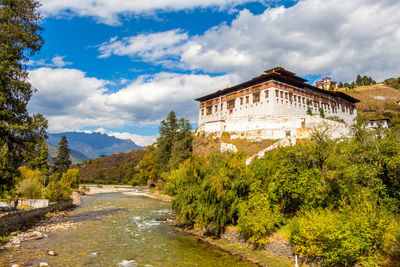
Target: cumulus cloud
[[108, 12], [56, 61], [70, 100], [342, 38], [149, 46]]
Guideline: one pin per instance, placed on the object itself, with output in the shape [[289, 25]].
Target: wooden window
[[247, 99], [286, 95], [202, 112], [241, 101], [231, 103], [231, 100], [266, 93], [281, 94], [216, 108], [277, 93], [256, 97], [209, 110]]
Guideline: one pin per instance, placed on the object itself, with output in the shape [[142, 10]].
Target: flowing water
[[119, 230]]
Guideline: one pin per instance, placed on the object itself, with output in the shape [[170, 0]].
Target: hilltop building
[[275, 105], [327, 84]]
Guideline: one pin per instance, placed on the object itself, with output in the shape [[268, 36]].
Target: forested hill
[[93, 145], [117, 168]]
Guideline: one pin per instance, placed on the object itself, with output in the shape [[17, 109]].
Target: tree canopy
[[62, 161], [19, 38]]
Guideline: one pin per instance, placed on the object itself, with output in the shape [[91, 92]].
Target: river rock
[[38, 235], [15, 241], [52, 253], [15, 265], [43, 264]]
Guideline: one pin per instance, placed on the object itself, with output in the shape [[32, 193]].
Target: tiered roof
[[279, 74]]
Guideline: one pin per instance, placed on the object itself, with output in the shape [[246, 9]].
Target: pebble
[[43, 264], [15, 241], [52, 253], [15, 265]]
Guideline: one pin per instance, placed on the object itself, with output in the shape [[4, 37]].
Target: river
[[119, 230]]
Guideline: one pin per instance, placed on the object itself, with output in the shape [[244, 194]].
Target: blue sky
[[120, 66]]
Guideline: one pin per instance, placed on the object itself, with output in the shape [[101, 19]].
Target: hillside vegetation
[[205, 145], [376, 100], [117, 168]]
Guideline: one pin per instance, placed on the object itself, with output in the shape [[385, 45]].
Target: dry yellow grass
[[375, 99], [205, 145]]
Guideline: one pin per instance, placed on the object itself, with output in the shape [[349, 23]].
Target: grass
[[284, 232], [248, 253], [205, 145], [376, 99]]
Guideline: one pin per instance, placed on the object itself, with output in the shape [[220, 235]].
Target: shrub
[[342, 238], [58, 190], [30, 188], [71, 178], [30, 183], [256, 219]]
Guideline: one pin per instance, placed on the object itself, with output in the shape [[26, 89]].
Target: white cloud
[[150, 46], [344, 38], [56, 61], [70, 100], [107, 11]]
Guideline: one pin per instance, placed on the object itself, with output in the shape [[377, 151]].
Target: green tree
[[340, 85], [182, 144], [62, 161], [42, 162], [359, 80], [19, 39], [147, 169], [321, 112], [167, 130]]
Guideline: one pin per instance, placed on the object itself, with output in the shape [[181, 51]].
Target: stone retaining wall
[[16, 220]]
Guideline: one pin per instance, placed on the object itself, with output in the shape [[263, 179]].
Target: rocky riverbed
[[53, 222]]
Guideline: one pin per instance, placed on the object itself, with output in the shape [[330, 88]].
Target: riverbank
[[242, 250], [93, 189], [52, 222]]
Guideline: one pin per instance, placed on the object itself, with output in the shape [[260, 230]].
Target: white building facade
[[275, 105]]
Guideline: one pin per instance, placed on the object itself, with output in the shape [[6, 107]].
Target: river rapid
[[119, 230]]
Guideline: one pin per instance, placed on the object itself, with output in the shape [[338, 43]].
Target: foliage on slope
[[393, 82], [340, 199], [206, 145], [117, 168], [376, 100]]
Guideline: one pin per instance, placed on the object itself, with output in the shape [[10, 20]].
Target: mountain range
[[85, 146]]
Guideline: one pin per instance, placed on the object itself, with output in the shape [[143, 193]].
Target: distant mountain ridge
[[93, 145]]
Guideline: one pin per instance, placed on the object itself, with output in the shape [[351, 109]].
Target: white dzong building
[[275, 105]]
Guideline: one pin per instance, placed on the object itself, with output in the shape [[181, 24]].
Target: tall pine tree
[[19, 39], [62, 161], [167, 131], [182, 144]]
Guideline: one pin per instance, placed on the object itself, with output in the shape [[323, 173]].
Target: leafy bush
[[30, 188], [208, 190], [71, 178], [30, 183], [355, 234], [58, 189], [256, 219]]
